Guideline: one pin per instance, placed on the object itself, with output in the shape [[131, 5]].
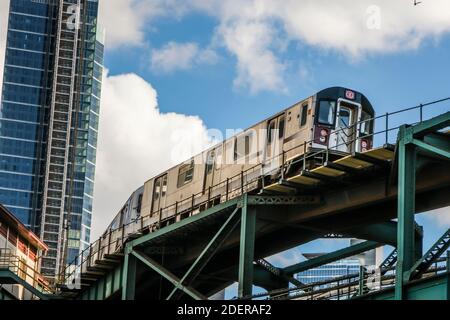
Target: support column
[[448, 275], [418, 243], [129, 275], [362, 273], [406, 210], [247, 249]]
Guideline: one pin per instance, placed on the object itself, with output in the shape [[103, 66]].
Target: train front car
[[343, 122]]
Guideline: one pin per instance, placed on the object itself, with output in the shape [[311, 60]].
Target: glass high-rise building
[[49, 120], [341, 268]]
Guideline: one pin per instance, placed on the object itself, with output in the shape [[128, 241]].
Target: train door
[[343, 137], [274, 143], [209, 170], [159, 193]]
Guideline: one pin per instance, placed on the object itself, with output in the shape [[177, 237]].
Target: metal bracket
[[283, 200]]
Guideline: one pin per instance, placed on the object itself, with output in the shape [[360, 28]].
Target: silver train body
[[337, 119]]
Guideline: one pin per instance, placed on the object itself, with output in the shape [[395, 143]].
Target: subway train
[[336, 119]]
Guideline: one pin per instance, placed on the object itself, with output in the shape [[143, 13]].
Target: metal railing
[[233, 187], [29, 274], [347, 286]]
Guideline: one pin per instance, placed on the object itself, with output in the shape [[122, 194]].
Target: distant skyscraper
[[49, 120], [342, 267]]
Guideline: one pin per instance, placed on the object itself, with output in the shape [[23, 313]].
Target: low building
[[20, 257]]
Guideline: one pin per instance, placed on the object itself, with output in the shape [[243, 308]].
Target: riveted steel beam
[[283, 200], [433, 149], [247, 249], [405, 209], [167, 275], [129, 275], [436, 251], [209, 251], [331, 257], [432, 125], [185, 222]]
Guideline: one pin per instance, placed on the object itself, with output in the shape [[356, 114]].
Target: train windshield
[[327, 111], [345, 117]]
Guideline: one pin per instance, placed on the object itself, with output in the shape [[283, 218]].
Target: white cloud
[[252, 30], [257, 66], [440, 216], [126, 21], [136, 142], [180, 56]]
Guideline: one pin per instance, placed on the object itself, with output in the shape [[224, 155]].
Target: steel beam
[[129, 275], [247, 249], [432, 125], [167, 275], [436, 251], [209, 251], [13, 278], [183, 223], [406, 208], [362, 273], [283, 200], [385, 232], [277, 272], [331, 257], [448, 262], [430, 148]]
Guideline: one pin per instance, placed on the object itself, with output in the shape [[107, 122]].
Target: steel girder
[[331, 257], [436, 250], [246, 249], [278, 272], [10, 277], [411, 140], [209, 250]]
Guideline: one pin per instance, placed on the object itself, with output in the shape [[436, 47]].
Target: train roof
[[341, 91], [325, 93]]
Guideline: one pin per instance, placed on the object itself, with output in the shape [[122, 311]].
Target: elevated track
[[356, 196]]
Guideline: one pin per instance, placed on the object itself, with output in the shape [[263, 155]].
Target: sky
[[180, 68], [176, 69]]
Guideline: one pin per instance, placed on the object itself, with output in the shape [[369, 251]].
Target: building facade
[[20, 254], [49, 120], [341, 268]]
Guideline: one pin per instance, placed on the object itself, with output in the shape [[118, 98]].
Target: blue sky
[[402, 64], [390, 80]]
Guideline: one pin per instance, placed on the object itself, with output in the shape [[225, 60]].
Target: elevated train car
[[337, 119]]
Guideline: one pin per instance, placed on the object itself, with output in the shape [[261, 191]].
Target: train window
[[248, 143], [185, 174], [164, 187], [304, 117], [366, 123], [270, 131], [327, 112], [139, 204], [157, 191], [210, 161], [219, 158], [243, 145], [239, 147], [281, 128], [235, 150], [344, 117]]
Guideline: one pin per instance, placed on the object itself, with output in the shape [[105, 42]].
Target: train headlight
[[323, 135], [365, 145]]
